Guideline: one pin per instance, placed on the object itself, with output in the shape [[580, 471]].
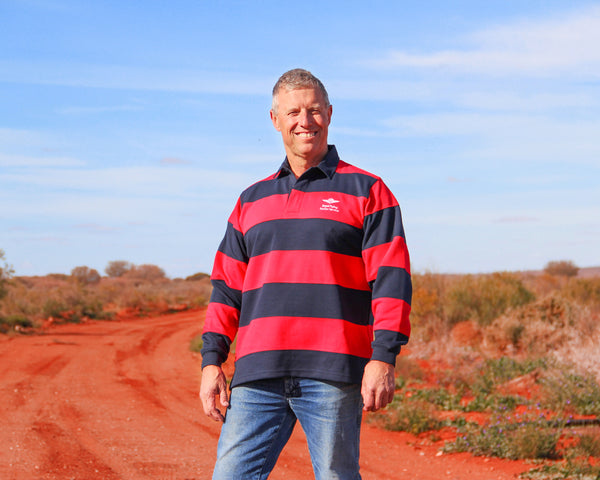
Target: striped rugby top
[[313, 275]]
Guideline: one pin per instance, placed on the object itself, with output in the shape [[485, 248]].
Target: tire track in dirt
[[119, 400]]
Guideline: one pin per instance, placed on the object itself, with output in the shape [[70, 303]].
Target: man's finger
[[368, 399]]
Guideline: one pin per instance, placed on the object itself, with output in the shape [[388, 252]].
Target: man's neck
[[300, 165]]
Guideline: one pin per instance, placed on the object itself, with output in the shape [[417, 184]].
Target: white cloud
[[98, 110], [73, 74], [41, 161], [130, 181], [567, 45], [508, 136]]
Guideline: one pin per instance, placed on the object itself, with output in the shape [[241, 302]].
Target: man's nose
[[305, 117]]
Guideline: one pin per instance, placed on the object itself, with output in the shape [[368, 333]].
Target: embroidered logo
[[329, 205]]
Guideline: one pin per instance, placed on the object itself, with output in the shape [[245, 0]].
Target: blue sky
[[128, 129]]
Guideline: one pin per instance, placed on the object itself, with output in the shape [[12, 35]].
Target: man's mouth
[[307, 134]]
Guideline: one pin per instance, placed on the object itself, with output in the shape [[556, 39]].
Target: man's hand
[[213, 384], [378, 385]]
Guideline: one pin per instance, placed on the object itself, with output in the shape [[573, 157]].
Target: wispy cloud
[[514, 136], [96, 228], [552, 46], [72, 74], [37, 161], [129, 181], [174, 161], [98, 109]]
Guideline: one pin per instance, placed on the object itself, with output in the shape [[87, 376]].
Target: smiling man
[[313, 277]]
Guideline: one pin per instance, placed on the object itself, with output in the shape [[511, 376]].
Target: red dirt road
[[118, 400]]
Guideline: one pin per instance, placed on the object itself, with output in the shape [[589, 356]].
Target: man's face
[[303, 119]]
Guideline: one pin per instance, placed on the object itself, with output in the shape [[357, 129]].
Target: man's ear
[[274, 120]]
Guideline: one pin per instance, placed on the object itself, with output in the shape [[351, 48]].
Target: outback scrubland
[[505, 364]]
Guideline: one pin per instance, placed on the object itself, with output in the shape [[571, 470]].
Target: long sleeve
[[387, 266], [222, 315]]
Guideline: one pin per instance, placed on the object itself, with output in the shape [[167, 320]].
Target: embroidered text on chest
[[329, 204]]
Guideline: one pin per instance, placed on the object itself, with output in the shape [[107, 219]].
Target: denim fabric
[[261, 418]]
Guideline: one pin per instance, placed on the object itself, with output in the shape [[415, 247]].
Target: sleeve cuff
[[384, 355], [211, 358]]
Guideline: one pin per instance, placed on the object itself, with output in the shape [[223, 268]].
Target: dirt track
[[118, 400]]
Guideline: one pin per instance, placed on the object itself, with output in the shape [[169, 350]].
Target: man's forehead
[[294, 93]]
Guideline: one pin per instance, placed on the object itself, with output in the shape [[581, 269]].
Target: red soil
[[118, 400]]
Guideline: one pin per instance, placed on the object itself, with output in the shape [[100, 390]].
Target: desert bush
[[38, 298], [196, 343], [428, 295], [146, 273], [583, 290], [484, 298], [521, 437], [6, 273], [441, 398], [565, 389], [537, 328], [578, 469], [14, 322], [118, 268], [85, 275], [564, 268], [412, 416], [197, 277]]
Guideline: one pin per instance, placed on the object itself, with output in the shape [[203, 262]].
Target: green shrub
[[496, 371], [439, 397], [567, 390], [196, 343], [6, 273], [484, 298], [412, 416], [583, 290], [579, 469], [13, 321], [565, 268], [512, 438]]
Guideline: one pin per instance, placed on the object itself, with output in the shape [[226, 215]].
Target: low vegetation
[[28, 303], [507, 362]]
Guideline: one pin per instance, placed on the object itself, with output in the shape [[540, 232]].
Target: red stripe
[[391, 254], [346, 168], [300, 266], [234, 218], [304, 333], [231, 271], [380, 197], [391, 314], [219, 319], [301, 205]]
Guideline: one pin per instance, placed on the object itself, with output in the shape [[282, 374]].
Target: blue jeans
[[262, 415]]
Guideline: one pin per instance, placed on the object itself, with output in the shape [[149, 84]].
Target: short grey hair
[[297, 79]]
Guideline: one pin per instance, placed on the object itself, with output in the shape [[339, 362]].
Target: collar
[[328, 165]]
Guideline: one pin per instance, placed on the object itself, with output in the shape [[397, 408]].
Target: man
[[313, 277]]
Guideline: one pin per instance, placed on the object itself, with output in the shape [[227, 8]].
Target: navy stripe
[[387, 345], [233, 244], [356, 184], [226, 295], [335, 367], [304, 234], [392, 282], [215, 348], [306, 300], [381, 226], [266, 188]]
